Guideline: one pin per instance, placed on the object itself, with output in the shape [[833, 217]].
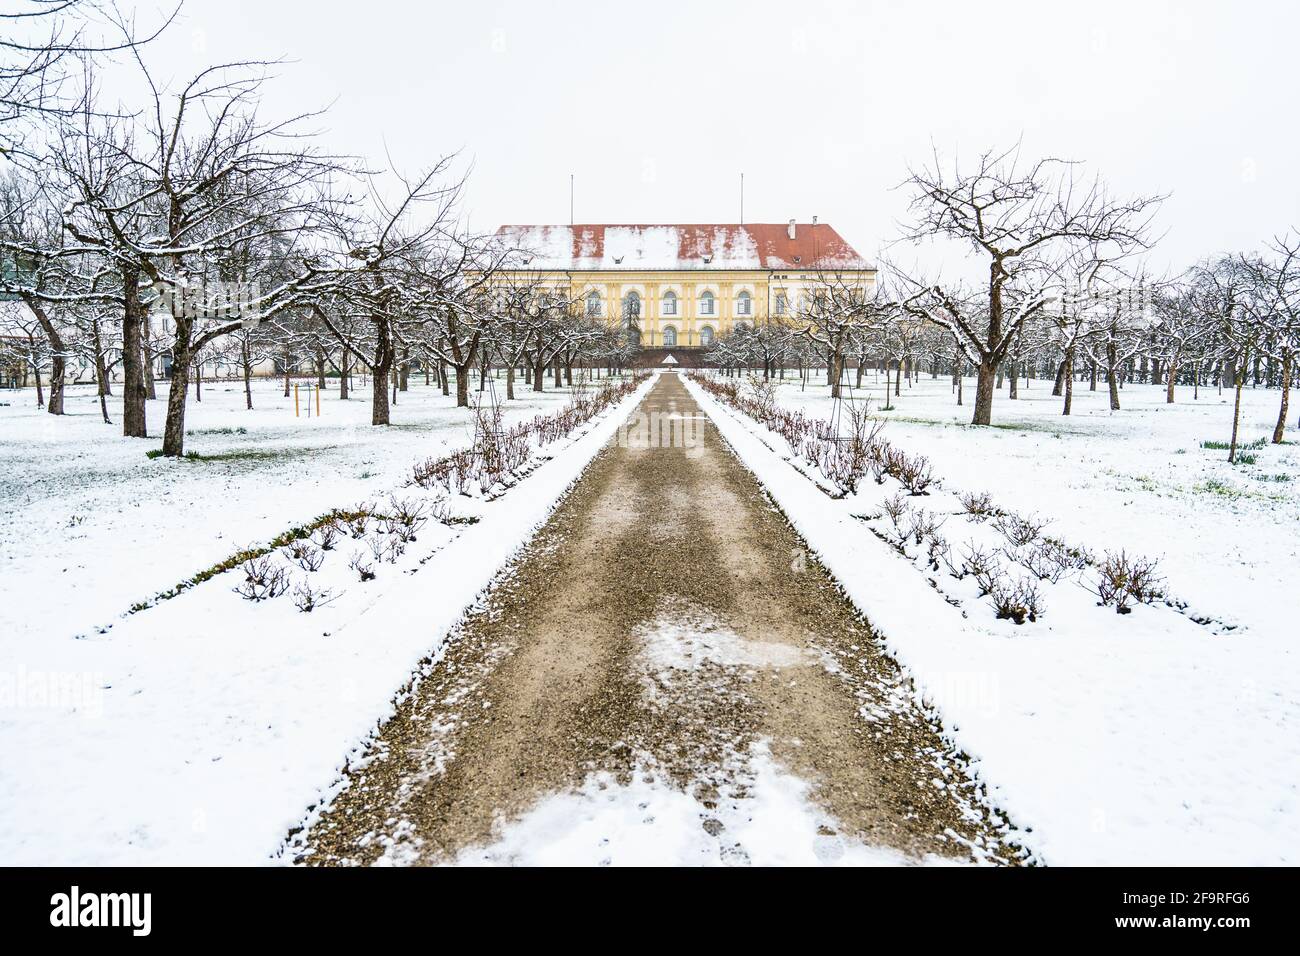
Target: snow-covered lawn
[[1143, 738], [1227, 537], [199, 730], [93, 525]]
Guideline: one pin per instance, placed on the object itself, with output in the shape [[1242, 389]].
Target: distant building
[[681, 286]]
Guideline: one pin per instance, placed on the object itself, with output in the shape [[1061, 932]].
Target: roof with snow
[[718, 246]]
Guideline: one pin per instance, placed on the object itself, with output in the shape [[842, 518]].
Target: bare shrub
[[924, 525], [307, 599], [404, 518], [912, 470], [305, 554], [365, 569], [894, 509], [983, 566], [385, 547], [1018, 529], [357, 525], [1122, 579], [263, 578], [978, 506], [878, 463], [1050, 559], [938, 552], [327, 535], [1018, 601]]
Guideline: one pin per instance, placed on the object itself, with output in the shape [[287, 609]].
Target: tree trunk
[[835, 372], [1171, 376], [345, 368], [1239, 379], [462, 385], [133, 390], [1067, 368], [383, 365], [984, 393], [247, 360], [150, 387], [57, 352], [1280, 429], [198, 382], [1112, 377], [510, 382], [1013, 374], [174, 428]]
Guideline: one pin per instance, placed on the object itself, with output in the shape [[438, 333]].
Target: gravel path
[[665, 629]]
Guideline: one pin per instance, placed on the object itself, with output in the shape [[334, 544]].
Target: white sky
[[658, 107]]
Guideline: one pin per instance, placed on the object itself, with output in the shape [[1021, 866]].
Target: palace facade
[[680, 286]]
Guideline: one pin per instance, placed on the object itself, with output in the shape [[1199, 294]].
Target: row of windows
[[668, 305], [669, 336]]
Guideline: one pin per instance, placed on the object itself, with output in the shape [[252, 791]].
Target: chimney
[[814, 220], [789, 230]]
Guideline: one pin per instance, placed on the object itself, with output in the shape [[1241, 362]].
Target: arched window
[[593, 302], [632, 306], [706, 303], [706, 335], [670, 337], [744, 304], [670, 303]]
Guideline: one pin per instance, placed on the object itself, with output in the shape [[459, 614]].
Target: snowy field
[[1137, 479], [96, 526], [200, 730], [1145, 738]]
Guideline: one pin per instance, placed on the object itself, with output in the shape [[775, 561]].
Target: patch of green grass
[[1214, 486], [239, 557], [1278, 478], [1210, 445], [241, 430], [1245, 458], [247, 454]]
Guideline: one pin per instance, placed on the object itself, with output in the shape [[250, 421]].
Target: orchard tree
[[1024, 222]]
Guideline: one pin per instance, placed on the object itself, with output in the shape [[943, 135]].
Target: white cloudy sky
[[658, 107]]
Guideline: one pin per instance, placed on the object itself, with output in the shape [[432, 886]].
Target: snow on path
[[199, 731], [1120, 741]]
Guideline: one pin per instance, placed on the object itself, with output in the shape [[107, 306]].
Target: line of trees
[[188, 228], [1066, 299]]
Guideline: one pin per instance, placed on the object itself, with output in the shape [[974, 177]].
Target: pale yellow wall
[[688, 285]]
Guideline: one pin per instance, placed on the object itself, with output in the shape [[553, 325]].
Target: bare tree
[[1025, 222]]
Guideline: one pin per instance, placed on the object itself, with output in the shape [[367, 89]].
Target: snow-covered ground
[[1144, 738], [200, 730], [94, 525], [1137, 479]]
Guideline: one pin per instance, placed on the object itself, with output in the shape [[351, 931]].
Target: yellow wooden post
[[295, 401]]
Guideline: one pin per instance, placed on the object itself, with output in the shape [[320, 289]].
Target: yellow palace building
[[680, 286]]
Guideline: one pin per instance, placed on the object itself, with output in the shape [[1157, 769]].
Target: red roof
[[606, 246]]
